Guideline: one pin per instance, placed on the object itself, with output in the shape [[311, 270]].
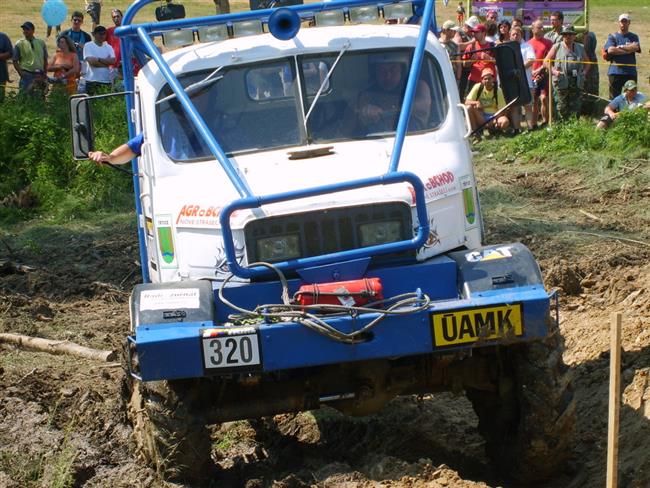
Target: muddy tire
[[528, 421], [169, 429]]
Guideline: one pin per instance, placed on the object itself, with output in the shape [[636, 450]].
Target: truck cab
[[291, 115]]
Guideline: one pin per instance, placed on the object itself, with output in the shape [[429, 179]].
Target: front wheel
[[169, 428], [528, 420]]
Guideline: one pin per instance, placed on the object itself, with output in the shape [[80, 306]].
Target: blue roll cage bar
[[136, 40]]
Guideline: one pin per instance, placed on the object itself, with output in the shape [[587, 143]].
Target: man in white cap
[[447, 35], [630, 99], [622, 47]]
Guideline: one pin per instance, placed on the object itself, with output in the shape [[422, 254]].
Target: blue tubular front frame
[[255, 202], [129, 35]]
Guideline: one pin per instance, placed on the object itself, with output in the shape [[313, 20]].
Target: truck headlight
[[376, 233], [326, 231], [278, 248]]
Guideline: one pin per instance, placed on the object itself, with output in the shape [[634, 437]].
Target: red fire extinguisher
[[348, 293]]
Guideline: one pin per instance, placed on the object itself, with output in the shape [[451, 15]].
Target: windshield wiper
[[194, 87], [346, 46]]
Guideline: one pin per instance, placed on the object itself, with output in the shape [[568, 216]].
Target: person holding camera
[[566, 61]]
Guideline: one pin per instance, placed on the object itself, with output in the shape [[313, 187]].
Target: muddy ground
[[62, 420]]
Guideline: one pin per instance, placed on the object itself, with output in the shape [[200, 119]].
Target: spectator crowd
[[82, 63], [559, 69]]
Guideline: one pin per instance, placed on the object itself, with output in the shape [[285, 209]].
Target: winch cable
[[288, 311]]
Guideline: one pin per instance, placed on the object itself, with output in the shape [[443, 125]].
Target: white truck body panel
[[182, 200]]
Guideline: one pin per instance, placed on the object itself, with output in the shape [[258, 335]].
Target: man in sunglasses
[[78, 36]]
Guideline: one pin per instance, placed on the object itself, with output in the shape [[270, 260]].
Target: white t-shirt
[[99, 74], [528, 53]]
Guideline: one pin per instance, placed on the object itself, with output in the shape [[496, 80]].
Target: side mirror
[[81, 125], [512, 74]]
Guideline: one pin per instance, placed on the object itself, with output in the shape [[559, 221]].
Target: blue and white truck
[[310, 234]]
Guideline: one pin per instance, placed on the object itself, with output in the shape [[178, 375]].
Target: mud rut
[[63, 418]]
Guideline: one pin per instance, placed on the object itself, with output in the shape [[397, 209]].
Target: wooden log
[[58, 347], [614, 401]]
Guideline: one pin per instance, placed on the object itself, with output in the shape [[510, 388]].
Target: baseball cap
[[487, 71], [27, 25], [472, 22], [99, 29], [629, 85], [449, 24], [624, 17], [480, 28]]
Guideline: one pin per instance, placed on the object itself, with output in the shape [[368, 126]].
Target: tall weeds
[[36, 160]]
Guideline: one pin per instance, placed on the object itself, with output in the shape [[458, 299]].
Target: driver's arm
[[121, 154]]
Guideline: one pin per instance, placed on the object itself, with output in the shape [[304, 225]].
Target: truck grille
[[326, 231]]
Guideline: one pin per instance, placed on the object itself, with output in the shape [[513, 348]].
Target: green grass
[[23, 468], [577, 143]]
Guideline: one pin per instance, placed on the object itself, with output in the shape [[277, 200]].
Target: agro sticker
[[169, 299], [489, 254]]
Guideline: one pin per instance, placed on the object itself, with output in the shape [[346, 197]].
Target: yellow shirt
[[489, 103]]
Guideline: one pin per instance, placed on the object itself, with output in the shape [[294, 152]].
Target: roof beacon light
[[284, 24], [359, 15], [330, 17], [247, 28], [396, 11]]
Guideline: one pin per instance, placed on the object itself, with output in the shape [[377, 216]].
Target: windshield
[[262, 106]]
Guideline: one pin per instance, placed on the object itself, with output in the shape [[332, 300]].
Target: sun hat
[[568, 30], [449, 24]]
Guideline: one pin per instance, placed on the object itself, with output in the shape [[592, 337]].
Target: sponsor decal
[[468, 201], [433, 239], [166, 240], [191, 215], [475, 324], [227, 331], [412, 192], [148, 223], [489, 254], [221, 262], [439, 185], [169, 299]]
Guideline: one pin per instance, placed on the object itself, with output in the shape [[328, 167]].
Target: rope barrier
[[545, 60]]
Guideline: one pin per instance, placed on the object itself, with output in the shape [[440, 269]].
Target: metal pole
[[411, 86]]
